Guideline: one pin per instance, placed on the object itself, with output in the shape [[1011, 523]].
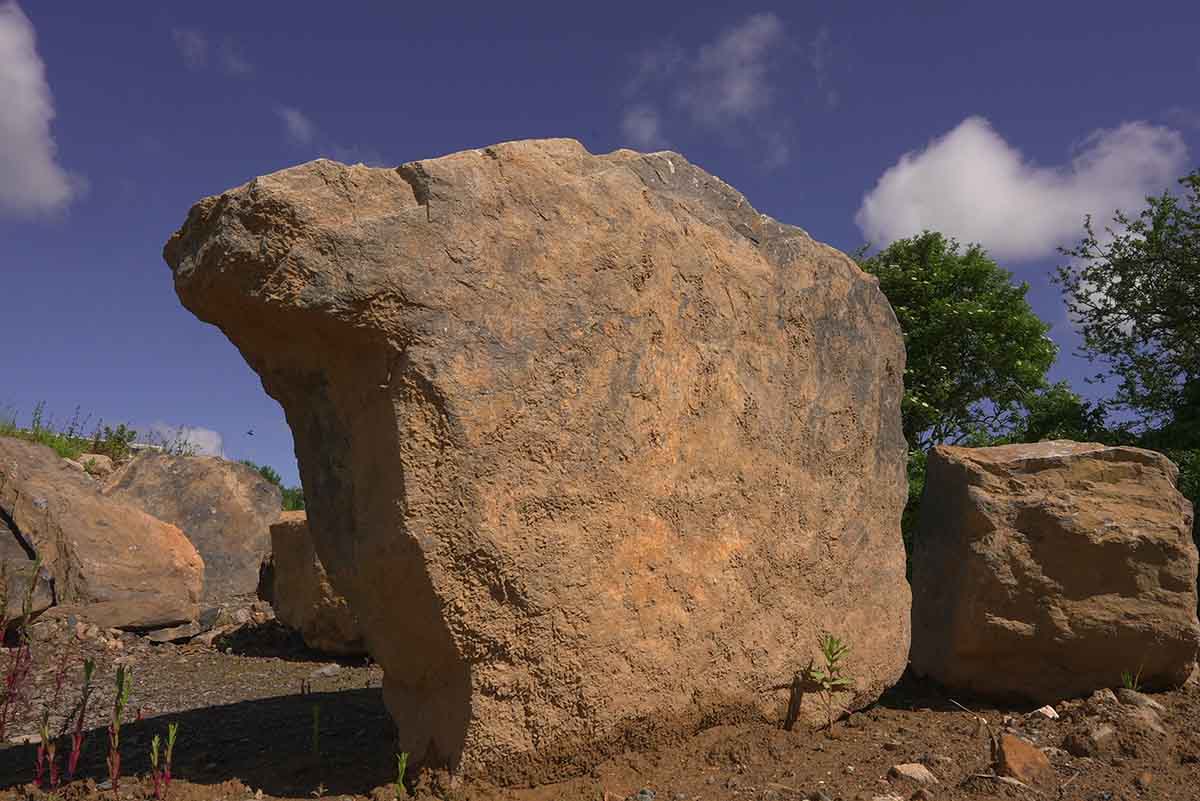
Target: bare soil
[[246, 731]]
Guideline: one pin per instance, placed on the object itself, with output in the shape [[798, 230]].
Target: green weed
[[829, 679]]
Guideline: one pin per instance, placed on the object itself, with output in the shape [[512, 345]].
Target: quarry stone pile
[[593, 449], [1046, 571], [115, 564]]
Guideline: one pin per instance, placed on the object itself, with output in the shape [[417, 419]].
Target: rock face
[[18, 575], [122, 567], [294, 582], [593, 449], [1042, 572], [225, 508]]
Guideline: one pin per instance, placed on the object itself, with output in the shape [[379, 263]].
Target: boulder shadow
[[913, 692], [267, 744], [273, 640]]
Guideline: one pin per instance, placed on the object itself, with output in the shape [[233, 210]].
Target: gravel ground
[[245, 710]]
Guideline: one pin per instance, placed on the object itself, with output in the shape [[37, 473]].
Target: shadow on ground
[[266, 743], [915, 693]]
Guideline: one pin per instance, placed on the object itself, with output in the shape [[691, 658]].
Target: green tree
[[292, 497], [975, 348], [977, 353], [1134, 293], [1057, 412]]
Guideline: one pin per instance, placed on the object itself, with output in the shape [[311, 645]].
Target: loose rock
[[914, 772], [1023, 762]]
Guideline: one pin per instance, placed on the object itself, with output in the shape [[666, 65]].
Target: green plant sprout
[[78, 714], [829, 678], [162, 778], [1132, 681], [124, 687], [401, 768]]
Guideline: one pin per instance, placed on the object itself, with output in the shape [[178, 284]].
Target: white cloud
[[641, 126], [974, 186], [31, 180], [299, 127], [192, 46], [654, 65], [231, 60], [193, 439], [723, 86], [729, 76]]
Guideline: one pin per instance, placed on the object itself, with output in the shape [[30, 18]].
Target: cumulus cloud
[[729, 77], [974, 186], [641, 127], [31, 180], [297, 125], [193, 439], [231, 61], [192, 46]]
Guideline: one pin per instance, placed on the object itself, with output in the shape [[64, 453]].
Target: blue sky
[[1002, 123]]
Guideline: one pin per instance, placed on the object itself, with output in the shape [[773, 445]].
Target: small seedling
[[124, 687], [162, 777], [47, 750], [1132, 681], [78, 714], [401, 767], [829, 679], [47, 761]]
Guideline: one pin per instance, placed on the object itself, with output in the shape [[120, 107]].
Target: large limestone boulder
[[293, 580], [592, 448], [225, 508], [120, 566], [1042, 572]]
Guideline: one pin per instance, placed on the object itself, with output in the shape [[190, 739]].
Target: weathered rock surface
[[122, 567], [294, 582], [592, 448], [18, 576], [225, 508], [1044, 571], [97, 464]]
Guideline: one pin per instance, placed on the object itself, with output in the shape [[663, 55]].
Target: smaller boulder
[[225, 508], [1001, 607], [118, 565], [295, 583]]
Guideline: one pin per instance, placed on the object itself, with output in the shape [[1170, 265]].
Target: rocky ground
[[245, 708]]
